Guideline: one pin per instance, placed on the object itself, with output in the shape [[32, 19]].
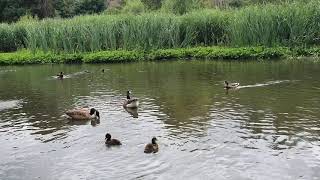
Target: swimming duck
[[152, 147], [228, 85], [83, 114], [131, 102], [112, 142], [60, 76]]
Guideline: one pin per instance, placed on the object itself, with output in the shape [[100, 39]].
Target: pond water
[[269, 128]]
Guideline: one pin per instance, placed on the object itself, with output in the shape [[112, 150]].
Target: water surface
[[267, 129]]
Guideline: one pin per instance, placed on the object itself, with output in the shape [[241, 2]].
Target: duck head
[[108, 136], [93, 111], [154, 140]]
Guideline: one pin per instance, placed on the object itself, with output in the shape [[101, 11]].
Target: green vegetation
[[133, 7], [210, 53], [152, 4], [291, 25], [112, 32], [174, 29], [13, 10]]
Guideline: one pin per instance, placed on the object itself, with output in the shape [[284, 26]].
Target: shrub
[[133, 7]]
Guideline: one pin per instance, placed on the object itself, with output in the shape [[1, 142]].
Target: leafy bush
[[180, 6], [113, 56], [133, 7], [152, 4]]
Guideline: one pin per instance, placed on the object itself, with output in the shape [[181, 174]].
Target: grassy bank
[[210, 53], [290, 25]]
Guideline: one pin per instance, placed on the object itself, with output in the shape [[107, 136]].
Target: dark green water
[[267, 129]]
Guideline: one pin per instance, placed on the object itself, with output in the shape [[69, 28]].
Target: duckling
[[131, 102], [60, 76], [228, 85], [112, 142], [152, 147], [83, 114]]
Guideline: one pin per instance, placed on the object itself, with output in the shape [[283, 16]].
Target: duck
[[83, 114], [152, 147], [130, 102], [112, 142], [228, 85], [60, 76]]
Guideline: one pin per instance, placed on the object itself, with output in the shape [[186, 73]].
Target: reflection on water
[[10, 104], [268, 128], [133, 112]]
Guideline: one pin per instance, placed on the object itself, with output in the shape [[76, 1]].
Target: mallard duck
[[228, 85], [152, 147], [131, 102], [112, 142], [60, 76], [83, 114]]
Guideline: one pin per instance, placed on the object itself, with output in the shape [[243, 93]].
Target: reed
[[126, 31], [294, 24], [12, 37]]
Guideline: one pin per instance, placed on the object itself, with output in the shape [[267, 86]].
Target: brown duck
[[83, 114]]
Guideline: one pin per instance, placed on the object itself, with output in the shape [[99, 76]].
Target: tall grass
[[128, 32], [294, 24], [12, 37], [288, 24]]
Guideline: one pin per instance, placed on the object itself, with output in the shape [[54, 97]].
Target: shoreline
[[119, 56]]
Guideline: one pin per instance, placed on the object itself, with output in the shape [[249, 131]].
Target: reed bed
[[127, 32], [294, 24]]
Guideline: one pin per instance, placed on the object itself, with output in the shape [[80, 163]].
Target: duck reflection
[[230, 90], [95, 122], [132, 111], [75, 122]]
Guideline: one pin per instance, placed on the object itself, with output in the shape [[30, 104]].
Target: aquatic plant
[[121, 56]]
